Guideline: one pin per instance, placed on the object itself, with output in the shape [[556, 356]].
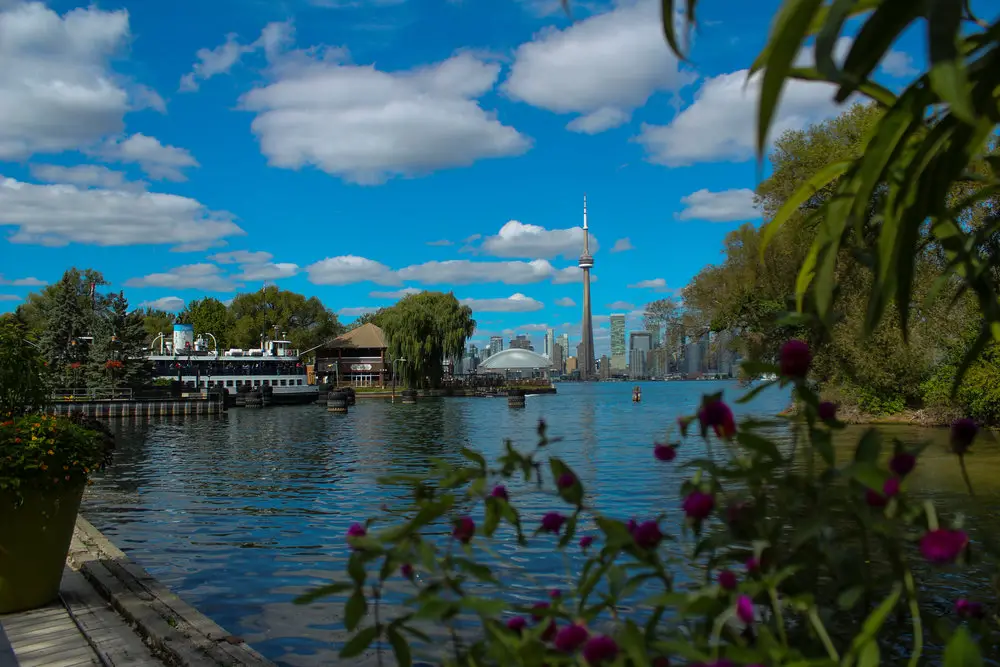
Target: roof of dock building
[[366, 336]]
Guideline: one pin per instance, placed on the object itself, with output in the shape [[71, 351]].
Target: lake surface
[[239, 514]]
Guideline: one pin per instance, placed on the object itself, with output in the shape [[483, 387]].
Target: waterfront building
[[496, 344], [357, 358], [640, 346], [571, 365], [558, 359], [564, 343], [604, 368], [550, 339], [517, 363], [586, 359], [521, 342]]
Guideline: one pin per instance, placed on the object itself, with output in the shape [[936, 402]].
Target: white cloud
[[349, 269], [898, 64], [621, 305], [566, 302], [655, 283], [242, 257], [602, 68], [267, 271], [190, 276], [516, 239], [156, 159], [515, 303], [144, 97], [440, 244], [720, 125], [198, 246], [22, 282], [570, 275], [85, 175], [465, 272], [61, 214], [356, 312], [366, 125], [621, 245], [57, 91], [171, 304], [725, 206], [214, 61], [9, 297], [397, 294]]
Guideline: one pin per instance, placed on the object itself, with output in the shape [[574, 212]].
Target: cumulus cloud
[[349, 269], [621, 245], [898, 64], [441, 243], [397, 294], [84, 175], [203, 276], [154, 158], [720, 125], [366, 125], [465, 272], [566, 302], [22, 282], [57, 91], [516, 239], [9, 297], [621, 305], [171, 304], [655, 283], [570, 275], [725, 206], [267, 271], [61, 214], [515, 303], [601, 68], [242, 257], [356, 312], [214, 61]]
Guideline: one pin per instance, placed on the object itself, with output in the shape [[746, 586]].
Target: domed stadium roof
[[515, 359]]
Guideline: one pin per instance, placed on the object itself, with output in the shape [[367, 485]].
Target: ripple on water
[[240, 514]]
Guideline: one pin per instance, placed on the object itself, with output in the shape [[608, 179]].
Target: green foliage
[[816, 551], [45, 451], [34, 312], [210, 315], [424, 329], [68, 318], [307, 321], [117, 353], [22, 385], [156, 322]]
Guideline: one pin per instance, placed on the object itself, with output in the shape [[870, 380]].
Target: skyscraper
[[640, 345], [550, 339], [618, 358], [564, 342], [496, 344], [586, 356]]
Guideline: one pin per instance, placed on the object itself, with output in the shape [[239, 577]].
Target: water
[[239, 514]]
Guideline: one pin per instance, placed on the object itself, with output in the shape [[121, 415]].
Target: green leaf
[[850, 597], [359, 642], [356, 568], [872, 41], [750, 395], [492, 520], [573, 493], [790, 25], [477, 570], [400, 647], [962, 651], [434, 609], [484, 606], [615, 532], [669, 32], [634, 643], [869, 446], [875, 620], [570, 530], [475, 457], [806, 191], [867, 474], [947, 73], [322, 591], [828, 36], [822, 442], [355, 609], [869, 655], [759, 444]]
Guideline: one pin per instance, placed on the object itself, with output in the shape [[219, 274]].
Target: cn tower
[[586, 362]]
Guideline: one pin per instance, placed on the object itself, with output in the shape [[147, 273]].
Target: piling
[[515, 398], [409, 396], [266, 395], [241, 395], [336, 401], [254, 399]]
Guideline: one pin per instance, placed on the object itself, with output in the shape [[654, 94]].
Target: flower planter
[[33, 545]]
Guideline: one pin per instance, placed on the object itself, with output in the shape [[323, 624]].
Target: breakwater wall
[[141, 408]]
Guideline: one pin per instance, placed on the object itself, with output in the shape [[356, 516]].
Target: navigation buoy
[[636, 394]]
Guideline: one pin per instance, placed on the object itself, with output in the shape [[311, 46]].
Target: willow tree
[[425, 329]]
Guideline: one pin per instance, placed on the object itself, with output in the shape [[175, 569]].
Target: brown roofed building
[[357, 358]]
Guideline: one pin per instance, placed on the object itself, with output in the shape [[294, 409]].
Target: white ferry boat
[[274, 364]]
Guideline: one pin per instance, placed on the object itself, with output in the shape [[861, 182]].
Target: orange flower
[[43, 467], [51, 453], [65, 467]]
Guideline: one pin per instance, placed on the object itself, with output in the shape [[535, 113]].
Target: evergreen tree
[[117, 355], [61, 347]]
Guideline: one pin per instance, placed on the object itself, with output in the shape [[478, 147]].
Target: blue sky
[[353, 149]]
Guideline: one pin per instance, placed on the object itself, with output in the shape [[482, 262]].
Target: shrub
[[792, 557], [22, 386]]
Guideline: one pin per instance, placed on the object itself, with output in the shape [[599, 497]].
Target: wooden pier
[[111, 612]]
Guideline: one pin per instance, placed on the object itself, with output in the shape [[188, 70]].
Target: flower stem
[[965, 475], [778, 616], [376, 593], [817, 624], [918, 627]]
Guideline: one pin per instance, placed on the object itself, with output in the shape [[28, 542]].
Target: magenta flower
[[963, 432], [902, 463], [647, 535], [891, 487], [744, 609], [719, 417], [356, 530], [555, 594], [586, 541], [570, 638], [795, 359], [699, 505], [664, 452], [539, 605], [406, 570], [553, 522], [827, 411], [566, 480], [517, 624], [968, 609], [465, 529], [500, 491], [600, 649], [752, 565], [943, 545], [728, 580]]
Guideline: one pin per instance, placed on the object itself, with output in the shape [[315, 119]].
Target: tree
[[34, 311], [425, 329], [22, 386], [156, 322], [210, 315], [117, 355], [306, 321], [665, 315], [367, 318], [66, 322]]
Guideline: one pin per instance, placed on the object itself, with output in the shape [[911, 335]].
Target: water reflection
[[238, 514]]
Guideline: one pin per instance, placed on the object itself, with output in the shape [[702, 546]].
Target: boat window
[[229, 383], [300, 383], [256, 383]]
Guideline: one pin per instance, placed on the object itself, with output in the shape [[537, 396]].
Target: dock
[[111, 612]]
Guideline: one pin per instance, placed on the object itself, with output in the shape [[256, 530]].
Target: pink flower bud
[[356, 530], [727, 580], [647, 535], [517, 624], [465, 530], [699, 505], [664, 452], [902, 463], [719, 417], [553, 522], [795, 359], [406, 570], [599, 650], [570, 638], [943, 546], [968, 609], [500, 491], [827, 411], [963, 433], [566, 480], [586, 541], [744, 609]]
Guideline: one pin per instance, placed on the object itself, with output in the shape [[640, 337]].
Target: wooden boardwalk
[[79, 630]]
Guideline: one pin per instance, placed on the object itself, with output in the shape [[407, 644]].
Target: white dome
[[515, 359]]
